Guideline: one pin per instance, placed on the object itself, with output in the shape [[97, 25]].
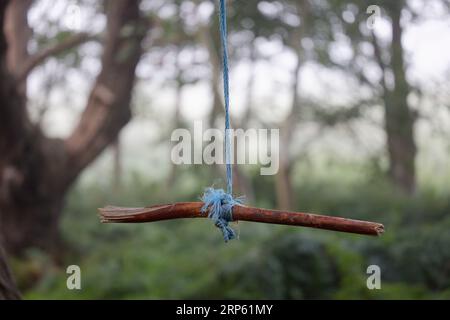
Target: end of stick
[[379, 229], [101, 215], [120, 214], [109, 213]]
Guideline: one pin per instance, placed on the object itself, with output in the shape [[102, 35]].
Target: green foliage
[[187, 258], [284, 266]]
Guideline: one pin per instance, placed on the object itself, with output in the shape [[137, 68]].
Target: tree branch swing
[[221, 206]]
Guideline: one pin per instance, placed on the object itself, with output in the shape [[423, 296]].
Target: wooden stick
[[240, 212]]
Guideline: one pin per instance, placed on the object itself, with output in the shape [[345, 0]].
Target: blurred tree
[[350, 20], [399, 117], [289, 22], [284, 187], [8, 289], [36, 171], [117, 164]]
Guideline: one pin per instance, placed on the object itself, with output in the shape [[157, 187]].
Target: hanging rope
[[226, 93], [217, 202]]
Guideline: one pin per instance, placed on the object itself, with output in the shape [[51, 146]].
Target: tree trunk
[[33, 222], [8, 288], [283, 181], [117, 166], [17, 34], [283, 186], [399, 119], [36, 171], [177, 122]]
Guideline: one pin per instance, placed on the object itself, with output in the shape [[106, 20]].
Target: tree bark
[[17, 33], [36, 171], [8, 289]]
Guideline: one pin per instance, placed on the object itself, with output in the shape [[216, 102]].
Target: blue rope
[[217, 202], [226, 93], [219, 205]]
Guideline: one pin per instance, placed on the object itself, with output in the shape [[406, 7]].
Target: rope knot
[[219, 205]]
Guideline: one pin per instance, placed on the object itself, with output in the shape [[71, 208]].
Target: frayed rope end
[[219, 205]]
